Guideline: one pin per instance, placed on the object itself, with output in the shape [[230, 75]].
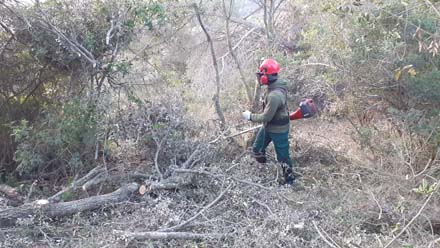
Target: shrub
[[64, 139]]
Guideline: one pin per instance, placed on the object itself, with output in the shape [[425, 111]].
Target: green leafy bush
[[64, 139], [426, 88]]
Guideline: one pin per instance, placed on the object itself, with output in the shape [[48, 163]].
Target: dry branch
[[170, 183], [433, 7], [176, 182], [156, 157], [94, 173], [331, 244], [415, 217], [181, 225], [221, 137], [218, 176], [167, 235], [98, 179], [9, 30], [191, 158], [10, 216]]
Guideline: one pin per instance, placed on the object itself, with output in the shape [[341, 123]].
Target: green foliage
[[425, 88], [122, 67], [425, 188], [78, 123], [63, 138], [149, 14], [24, 154]]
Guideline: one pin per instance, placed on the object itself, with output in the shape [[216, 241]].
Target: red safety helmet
[[268, 67]]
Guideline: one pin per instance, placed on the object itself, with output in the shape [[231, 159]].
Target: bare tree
[[216, 97], [228, 14]]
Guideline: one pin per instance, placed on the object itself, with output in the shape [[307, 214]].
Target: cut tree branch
[[10, 216], [78, 183]]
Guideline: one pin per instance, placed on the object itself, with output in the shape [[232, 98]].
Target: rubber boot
[[260, 157], [289, 178]]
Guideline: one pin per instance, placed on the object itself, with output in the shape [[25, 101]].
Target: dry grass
[[342, 199]]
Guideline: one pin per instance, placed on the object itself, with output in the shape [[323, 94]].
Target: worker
[[275, 119]]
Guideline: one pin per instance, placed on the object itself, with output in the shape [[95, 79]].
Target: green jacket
[[275, 116]]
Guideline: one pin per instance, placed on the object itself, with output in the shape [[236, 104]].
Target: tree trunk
[[216, 97], [9, 216]]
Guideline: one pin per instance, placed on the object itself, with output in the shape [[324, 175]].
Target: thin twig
[[415, 217], [239, 42], [426, 167], [321, 64], [198, 172], [433, 7], [434, 242], [380, 208], [263, 205], [233, 135], [31, 189], [250, 183], [156, 158], [179, 226], [333, 245], [188, 162], [167, 235], [5, 27], [46, 237], [224, 176], [109, 32]]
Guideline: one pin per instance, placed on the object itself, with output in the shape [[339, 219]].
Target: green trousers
[[280, 141]]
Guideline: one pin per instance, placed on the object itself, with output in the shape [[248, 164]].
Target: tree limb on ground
[[166, 235], [10, 216], [218, 176], [94, 173]]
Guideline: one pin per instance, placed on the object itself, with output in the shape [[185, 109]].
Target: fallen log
[[166, 235], [9, 217]]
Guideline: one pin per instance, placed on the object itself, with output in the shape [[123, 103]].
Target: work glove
[[246, 115]]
